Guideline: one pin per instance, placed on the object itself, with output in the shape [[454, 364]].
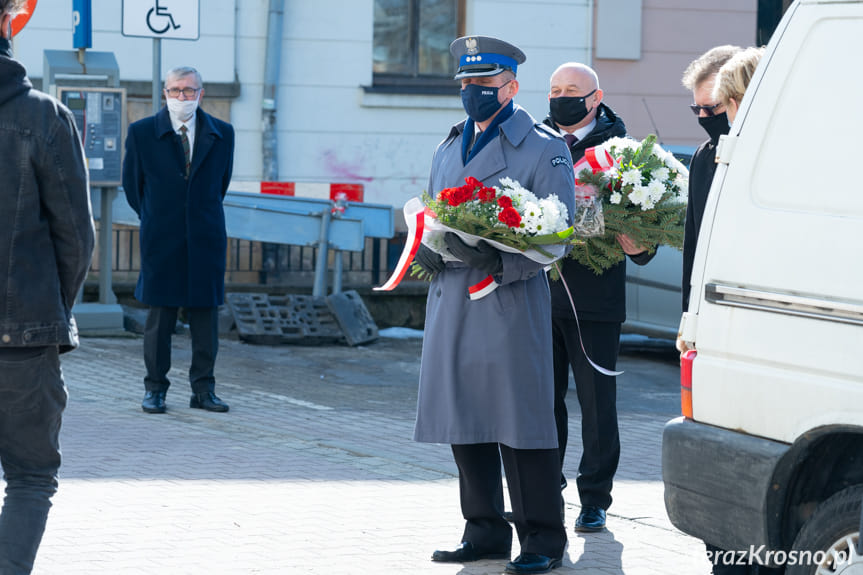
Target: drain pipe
[[269, 121], [272, 63]]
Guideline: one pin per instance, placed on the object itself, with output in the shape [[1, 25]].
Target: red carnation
[[444, 194], [472, 182], [504, 202], [486, 195], [460, 195], [510, 217]]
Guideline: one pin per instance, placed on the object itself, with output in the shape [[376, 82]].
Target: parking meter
[[100, 115]]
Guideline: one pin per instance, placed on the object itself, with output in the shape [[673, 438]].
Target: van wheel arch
[[822, 463]]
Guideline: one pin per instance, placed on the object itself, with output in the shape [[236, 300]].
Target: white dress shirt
[[190, 131]]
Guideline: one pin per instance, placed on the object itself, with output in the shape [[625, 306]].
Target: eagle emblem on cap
[[471, 46]]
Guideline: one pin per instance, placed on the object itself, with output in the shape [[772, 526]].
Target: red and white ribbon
[[415, 219], [597, 159], [419, 219], [482, 289]]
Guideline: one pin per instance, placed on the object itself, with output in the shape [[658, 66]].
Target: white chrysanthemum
[[638, 196], [553, 215], [655, 190], [682, 185], [661, 174], [615, 198], [631, 177], [620, 144], [520, 196], [531, 217], [675, 164]]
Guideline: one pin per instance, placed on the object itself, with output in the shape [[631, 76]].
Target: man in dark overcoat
[[578, 113], [175, 174], [486, 383]]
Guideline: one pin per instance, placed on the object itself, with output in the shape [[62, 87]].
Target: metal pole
[[157, 75], [337, 271], [106, 293], [320, 287], [269, 121], [269, 103]]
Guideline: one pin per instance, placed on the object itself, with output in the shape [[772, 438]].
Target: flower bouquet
[[642, 191], [509, 217]]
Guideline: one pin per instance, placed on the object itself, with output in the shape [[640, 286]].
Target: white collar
[[582, 132], [190, 123]]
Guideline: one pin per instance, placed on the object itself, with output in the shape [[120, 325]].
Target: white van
[[767, 461]]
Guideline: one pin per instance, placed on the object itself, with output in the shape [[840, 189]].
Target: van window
[[813, 140]]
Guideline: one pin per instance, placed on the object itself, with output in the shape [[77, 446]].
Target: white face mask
[[182, 110]]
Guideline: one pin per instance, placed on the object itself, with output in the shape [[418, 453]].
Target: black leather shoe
[[590, 520], [532, 563], [154, 402], [208, 400], [465, 553]]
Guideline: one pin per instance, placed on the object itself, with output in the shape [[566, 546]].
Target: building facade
[[363, 89]]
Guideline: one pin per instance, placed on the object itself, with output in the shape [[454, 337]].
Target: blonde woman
[[734, 77]]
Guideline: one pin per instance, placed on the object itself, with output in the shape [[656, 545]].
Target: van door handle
[[725, 148]]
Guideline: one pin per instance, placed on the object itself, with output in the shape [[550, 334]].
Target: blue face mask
[[480, 102]]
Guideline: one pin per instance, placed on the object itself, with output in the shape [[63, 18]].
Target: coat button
[[438, 292], [6, 338]]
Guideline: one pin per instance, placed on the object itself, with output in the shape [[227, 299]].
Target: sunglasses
[[709, 110]]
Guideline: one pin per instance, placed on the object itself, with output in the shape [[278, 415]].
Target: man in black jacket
[[46, 241], [577, 113]]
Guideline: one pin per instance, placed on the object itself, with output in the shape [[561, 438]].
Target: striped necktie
[[187, 153]]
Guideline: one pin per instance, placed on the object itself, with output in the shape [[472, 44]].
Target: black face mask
[[480, 102], [715, 126], [568, 110]]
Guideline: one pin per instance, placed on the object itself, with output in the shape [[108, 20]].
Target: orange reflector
[[686, 382]]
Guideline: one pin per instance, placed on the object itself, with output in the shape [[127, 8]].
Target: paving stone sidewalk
[[312, 471]]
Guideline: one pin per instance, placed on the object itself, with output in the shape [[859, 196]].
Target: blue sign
[[82, 24]]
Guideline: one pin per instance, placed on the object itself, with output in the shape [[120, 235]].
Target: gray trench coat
[[486, 373]]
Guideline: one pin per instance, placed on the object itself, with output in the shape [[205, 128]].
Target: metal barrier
[[284, 266]]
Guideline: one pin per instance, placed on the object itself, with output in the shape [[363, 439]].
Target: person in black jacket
[[578, 114], [46, 242], [700, 77]]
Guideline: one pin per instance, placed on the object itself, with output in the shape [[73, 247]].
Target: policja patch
[[558, 160]]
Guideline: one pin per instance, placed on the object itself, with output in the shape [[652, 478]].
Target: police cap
[[484, 56]]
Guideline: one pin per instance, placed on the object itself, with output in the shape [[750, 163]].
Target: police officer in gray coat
[[486, 381]]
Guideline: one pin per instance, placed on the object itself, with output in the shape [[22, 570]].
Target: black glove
[[429, 260], [483, 256]]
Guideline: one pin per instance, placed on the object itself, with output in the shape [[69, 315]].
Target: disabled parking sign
[[169, 19]]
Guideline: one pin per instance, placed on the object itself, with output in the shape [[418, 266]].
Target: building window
[[411, 45]]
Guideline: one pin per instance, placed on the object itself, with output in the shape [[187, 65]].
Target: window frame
[[414, 83]]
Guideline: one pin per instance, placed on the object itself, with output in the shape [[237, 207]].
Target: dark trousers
[[597, 396], [532, 477], [204, 327], [32, 399]]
